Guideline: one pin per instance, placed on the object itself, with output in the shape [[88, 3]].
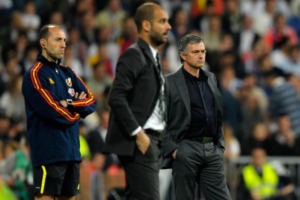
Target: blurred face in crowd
[[53, 47], [258, 157], [159, 27], [284, 125]]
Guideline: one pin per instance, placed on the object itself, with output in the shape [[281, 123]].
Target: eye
[[203, 51]]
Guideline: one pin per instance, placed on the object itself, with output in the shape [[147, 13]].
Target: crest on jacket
[[69, 82]]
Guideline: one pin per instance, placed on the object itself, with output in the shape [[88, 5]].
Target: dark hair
[[144, 12], [186, 40]]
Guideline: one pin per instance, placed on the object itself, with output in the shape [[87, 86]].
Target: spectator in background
[[128, 35], [279, 31], [283, 99], [263, 20], [113, 16], [102, 55], [96, 138], [5, 124], [280, 56], [112, 52], [88, 29], [232, 144], [12, 101], [9, 34], [99, 82], [31, 20], [71, 61], [213, 34], [245, 38], [229, 85], [180, 23], [251, 113], [232, 17], [252, 88], [291, 64], [283, 142], [16, 170], [261, 181], [29, 58], [256, 137], [79, 48], [12, 70], [57, 17]]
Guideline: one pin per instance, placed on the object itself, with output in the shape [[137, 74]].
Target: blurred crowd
[[252, 47]]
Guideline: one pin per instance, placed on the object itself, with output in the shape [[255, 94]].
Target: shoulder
[[173, 75], [35, 71], [208, 73]]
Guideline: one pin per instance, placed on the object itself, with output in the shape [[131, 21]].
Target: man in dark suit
[[138, 105], [194, 140]]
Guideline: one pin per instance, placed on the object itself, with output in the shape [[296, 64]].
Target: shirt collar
[[42, 59], [153, 51], [202, 76]]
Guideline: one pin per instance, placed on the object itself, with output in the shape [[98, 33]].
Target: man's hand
[[64, 103], [81, 96], [174, 154], [142, 141]]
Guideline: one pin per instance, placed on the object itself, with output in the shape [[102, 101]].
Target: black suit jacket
[[179, 113], [132, 99]]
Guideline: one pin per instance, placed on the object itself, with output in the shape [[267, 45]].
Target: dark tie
[[162, 93]]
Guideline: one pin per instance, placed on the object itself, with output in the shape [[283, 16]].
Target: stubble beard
[[157, 39]]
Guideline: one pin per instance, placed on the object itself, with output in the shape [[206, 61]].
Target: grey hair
[[185, 41]]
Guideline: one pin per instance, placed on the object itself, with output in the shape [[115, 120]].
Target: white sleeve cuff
[[135, 132]]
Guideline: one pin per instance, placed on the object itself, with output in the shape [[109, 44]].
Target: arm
[[84, 102], [39, 99], [169, 146], [127, 72]]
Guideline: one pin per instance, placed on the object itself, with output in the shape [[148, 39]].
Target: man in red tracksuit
[[55, 100]]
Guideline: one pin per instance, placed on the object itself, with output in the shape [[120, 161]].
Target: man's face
[[159, 27], [54, 46], [258, 157], [195, 56]]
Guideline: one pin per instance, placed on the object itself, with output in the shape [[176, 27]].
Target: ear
[[146, 26], [182, 56], [43, 43]]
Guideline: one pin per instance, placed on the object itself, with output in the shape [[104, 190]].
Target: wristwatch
[[69, 103]]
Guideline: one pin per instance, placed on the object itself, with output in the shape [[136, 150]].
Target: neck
[[147, 40], [193, 71], [49, 57]]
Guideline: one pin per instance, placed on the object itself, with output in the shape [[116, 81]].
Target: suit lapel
[[146, 50], [183, 91], [214, 90]]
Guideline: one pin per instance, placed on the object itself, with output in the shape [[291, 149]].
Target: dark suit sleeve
[[128, 70], [220, 117], [168, 143]]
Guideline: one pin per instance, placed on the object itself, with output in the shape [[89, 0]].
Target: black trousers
[[198, 163], [142, 172]]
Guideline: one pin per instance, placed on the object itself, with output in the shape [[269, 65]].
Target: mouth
[[165, 35]]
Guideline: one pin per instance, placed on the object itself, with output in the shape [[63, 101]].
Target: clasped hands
[[82, 95]]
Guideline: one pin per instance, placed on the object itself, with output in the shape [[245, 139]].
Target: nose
[[169, 26], [64, 44]]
